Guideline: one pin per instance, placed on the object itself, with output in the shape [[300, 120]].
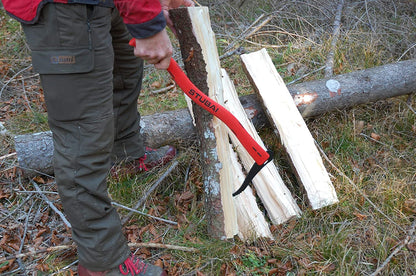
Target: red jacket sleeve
[[24, 11], [143, 18]]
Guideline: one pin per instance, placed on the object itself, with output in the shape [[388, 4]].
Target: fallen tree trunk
[[34, 151], [352, 89]]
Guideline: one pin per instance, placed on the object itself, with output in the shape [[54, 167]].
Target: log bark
[[292, 129], [313, 98], [34, 151], [200, 57], [360, 87]]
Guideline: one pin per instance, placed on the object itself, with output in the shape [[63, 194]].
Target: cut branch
[[141, 213], [50, 204], [410, 238], [329, 66], [73, 246], [150, 191]]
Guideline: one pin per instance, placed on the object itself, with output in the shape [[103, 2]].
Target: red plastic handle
[[253, 148], [259, 154]]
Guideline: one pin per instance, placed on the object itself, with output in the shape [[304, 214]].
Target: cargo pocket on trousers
[[63, 61]]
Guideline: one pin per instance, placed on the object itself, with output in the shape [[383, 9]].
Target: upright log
[[293, 131], [200, 57]]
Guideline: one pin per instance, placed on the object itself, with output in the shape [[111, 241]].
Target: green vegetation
[[371, 150]]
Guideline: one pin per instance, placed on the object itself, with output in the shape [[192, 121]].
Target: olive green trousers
[[91, 81]]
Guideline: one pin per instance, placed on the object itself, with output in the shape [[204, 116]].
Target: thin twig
[[165, 89], [304, 76], [16, 208], [368, 16], [408, 104], [33, 192], [37, 252], [335, 34], [152, 188], [25, 96], [405, 52], [14, 76], [410, 238], [163, 246], [22, 242], [65, 268], [144, 214], [242, 35], [356, 187], [73, 246], [13, 154], [50, 203], [238, 51]]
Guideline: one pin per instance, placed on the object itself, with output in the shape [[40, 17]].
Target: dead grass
[[370, 149]]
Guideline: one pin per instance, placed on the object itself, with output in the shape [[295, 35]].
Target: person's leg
[[128, 143], [72, 50], [128, 73]]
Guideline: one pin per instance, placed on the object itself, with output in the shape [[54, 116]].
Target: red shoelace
[[133, 266], [142, 165]]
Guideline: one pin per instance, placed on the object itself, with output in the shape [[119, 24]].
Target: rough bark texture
[[196, 69], [312, 99], [352, 89], [34, 153]]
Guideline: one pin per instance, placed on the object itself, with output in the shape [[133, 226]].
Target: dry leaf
[[410, 205], [42, 267], [156, 84], [7, 266], [159, 263], [4, 194], [38, 179], [360, 216], [359, 126], [375, 136], [329, 268], [411, 246]]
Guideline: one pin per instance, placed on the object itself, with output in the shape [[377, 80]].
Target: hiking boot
[[131, 266], [156, 157], [152, 158]]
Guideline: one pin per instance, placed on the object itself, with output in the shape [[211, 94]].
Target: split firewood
[[293, 132], [251, 222], [270, 187]]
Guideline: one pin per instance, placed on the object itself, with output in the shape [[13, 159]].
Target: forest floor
[[370, 154]]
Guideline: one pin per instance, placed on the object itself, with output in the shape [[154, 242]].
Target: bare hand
[[156, 49]]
